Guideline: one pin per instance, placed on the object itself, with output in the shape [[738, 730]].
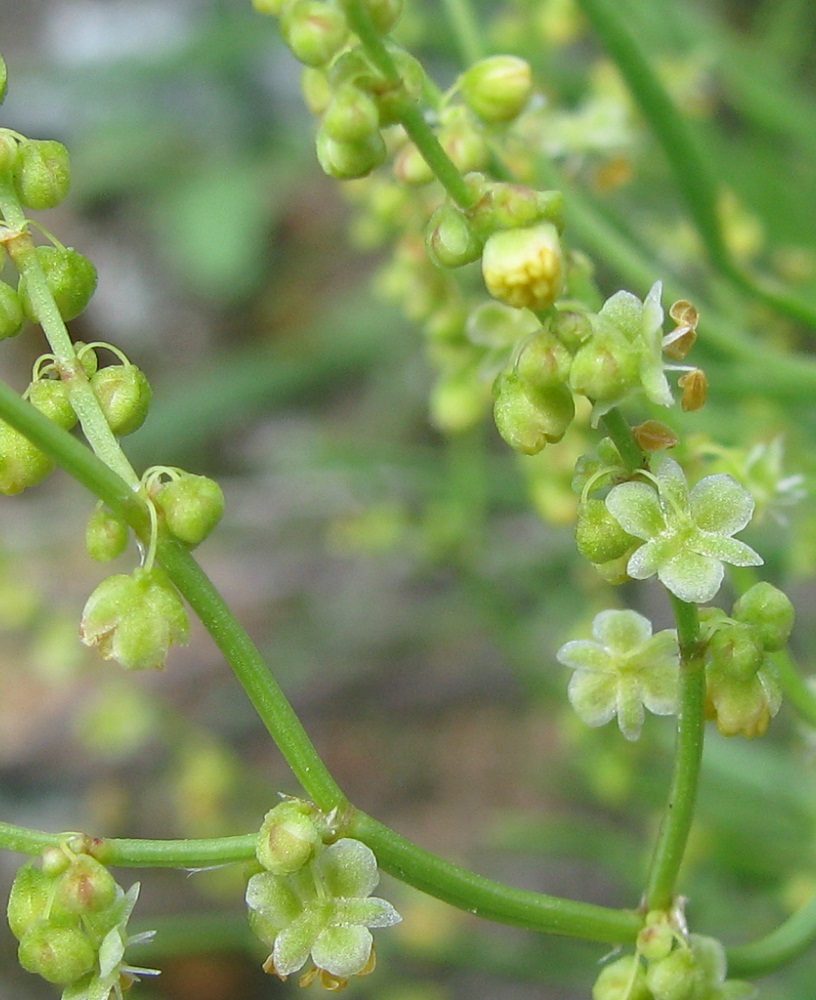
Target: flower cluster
[[314, 899], [70, 918]]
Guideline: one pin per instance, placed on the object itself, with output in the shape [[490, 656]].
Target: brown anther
[[679, 342], [695, 390], [684, 314], [652, 435]]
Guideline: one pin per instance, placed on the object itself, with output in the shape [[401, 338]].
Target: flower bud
[[529, 418], [516, 206], [735, 648], [497, 88], [28, 898], [622, 980], [135, 619], [86, 887], [313, 30], [289, 837], [124, 395], [317, 91], [22, 464], [465, 145], [351, 115], [9, 147], [42, 173], [192, 506], [60, 954], [543, 361], [572, 328], [769, 611], [604, 369], [384, 13], [12, 316], [457, 402], [615, 572], [106, 535], [71, 278], [524, 267], [598, 535], [50, 397], [54, 861], [410, 166], [657, 937], [348, 160], [449, 238], [674, 977], [742, 707], [87, 357]]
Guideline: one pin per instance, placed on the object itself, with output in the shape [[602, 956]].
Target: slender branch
[[790, 940], [675, 827], [465, 29], [619, 430]]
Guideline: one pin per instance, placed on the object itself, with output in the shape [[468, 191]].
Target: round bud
[[410, 166], [12, 316], [317, 91], [42, 173], [351, 115], [54, 861], [735, 649], [598, 535], [384, 13], [457, 402], [604, 370], [62, 955], [529, 418], [22, 464], [71, 278], [124, 395], [514, 206], [449, 238], [50, 397], [621, 980], [314, 31], [106, 535], [289, 837], [543, 361], [349, 160], [657, 937], [192, 506], [673, 977], [86, 887], [497, 88], [524, 267], [28, 898], [770, 612], [465, 145]]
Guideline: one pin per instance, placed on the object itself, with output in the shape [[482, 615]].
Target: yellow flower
[[524, 267]]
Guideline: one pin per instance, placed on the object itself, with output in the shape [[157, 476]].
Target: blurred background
[[408, 585]]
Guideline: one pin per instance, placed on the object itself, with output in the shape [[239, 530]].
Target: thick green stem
[[675, 827]]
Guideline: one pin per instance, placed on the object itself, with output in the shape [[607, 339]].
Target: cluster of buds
[[312, 898], [70, 917]]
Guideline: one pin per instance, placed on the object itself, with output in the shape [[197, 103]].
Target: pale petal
[[659, 690], [583, 654], [293, 944], [270, 896], [660, 653], [629, 708], [369, 912], [621, 631], [349, 868], [655, 383], [692, 577], [673, 485], [645, 561], [730, 550], [652, 316], [342, 951], [636, 508], [593, 696], [720, 504], [625, 311]]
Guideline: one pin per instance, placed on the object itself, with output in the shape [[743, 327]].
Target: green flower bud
[[742, 707], [384, 13], [674, 977], [543, 361], [349, 160], [572, 329], [614, 572], [622, 980], [12, 316], [317, 91], [529, 418], [314, 31], [289, 837], [449, 238], [54, 861], [598, 535], [135, 619], [50, 397], [603, 371], [351, 116], [28, 898], [524, 267], [88, 358], [464, 144], [192, 506], [22, 464], [497, 88], [410, 166], [124, 395], [657, 937], [62, 955], [106, 535], [769, 611], [457, 402], [71, 278], [9, 147], [389, 97], [735, 649], [516, 206], [42, 173], [86, 887]]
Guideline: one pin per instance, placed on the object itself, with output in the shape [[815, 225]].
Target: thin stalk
[[465, 29], [618, 429], [791, 939], [675, 827]]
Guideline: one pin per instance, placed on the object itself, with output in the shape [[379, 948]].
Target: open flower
[[687, 534], [325, 909], [622, 671]]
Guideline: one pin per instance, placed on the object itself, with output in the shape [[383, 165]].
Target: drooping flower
[[324, 910], [622, 671], [687, 534]]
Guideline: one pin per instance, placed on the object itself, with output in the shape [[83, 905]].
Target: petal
[[692, 577], [636, 508], [652, 317], [349, 868], [293, 944], [630, 710], [720, 504], [593, 696], [621, 631], [673, 485], [583, 654], [645, 561], [342, 951], [369, 912], [655, 383], [625, 311], [270, 896], [730, 550], [660, 653], [659, 689]]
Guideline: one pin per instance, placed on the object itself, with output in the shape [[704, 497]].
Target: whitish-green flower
[[324, 909], [687, 534], [622, 671]]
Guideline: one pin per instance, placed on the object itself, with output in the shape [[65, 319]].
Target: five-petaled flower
[[687, 534], [623, 670], [325, 909]]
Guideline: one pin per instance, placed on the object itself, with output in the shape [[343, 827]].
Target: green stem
[[465, 29], [675, 827], [619, 430], [25, 841], [489, 899], [791, 939]]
